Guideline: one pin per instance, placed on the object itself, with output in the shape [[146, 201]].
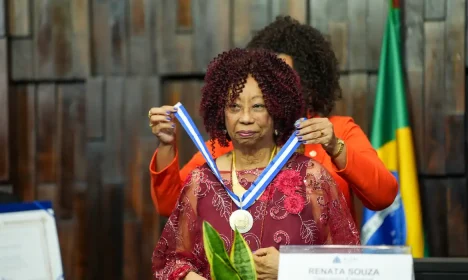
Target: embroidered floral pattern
[[306, 209], [294, 204]]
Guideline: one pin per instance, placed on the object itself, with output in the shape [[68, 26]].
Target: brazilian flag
[[401, 223]]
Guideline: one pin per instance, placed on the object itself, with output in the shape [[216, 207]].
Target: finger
[[309, 122], [261, 252], [167, 128], [311, 128], [164, 110], [317, 135], [160, 118]]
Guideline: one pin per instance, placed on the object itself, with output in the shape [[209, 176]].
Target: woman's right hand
[[162, 123]]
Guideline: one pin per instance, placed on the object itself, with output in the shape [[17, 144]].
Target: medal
[[242, 220]]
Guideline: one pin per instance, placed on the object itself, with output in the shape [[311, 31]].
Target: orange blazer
[[364, 175]]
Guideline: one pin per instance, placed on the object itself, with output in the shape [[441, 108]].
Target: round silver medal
[[242, 220]]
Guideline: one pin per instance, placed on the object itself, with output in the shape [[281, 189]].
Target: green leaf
[[221, 270], [213, 244], [242, 258]]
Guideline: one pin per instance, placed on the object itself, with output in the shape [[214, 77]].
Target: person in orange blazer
[[336, 142]]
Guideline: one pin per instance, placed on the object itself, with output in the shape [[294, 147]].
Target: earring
[[224, 131], [276, 132]]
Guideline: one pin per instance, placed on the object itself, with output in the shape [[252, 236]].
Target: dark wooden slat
[[80, 16], [22, 62], [62, 38], [260, 14], [72, 165], [94, 168], [295, 8], [25, 142], [132, 253], [19, 19], [140, 40], [3, 18], [211, 31], [318, 15], [435, 215], [184, 15], [338, 28], [174, 52], [4, 116], [118, 36], [43, 39], [455, 56], [413, 34], [359, 87], [434, 84], [150, 229], [66, 230], [112, 227], [455, 144], [100, 42], [94, 108], [357, 35], [343, 106], [371, 91], [47, 134], [133, 107], [376, 18], [114, 148], [457, 232], [339, 39], [434, 9], [81, 240], [242, 25]]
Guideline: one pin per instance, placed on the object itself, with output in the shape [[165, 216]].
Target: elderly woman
[[252, 99], [334, 141]]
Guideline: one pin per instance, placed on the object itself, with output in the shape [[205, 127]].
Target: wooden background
[[77, 78]]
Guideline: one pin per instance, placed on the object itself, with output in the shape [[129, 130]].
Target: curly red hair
[[226, 77]]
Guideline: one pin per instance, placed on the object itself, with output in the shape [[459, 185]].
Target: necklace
[[236, 186], [241, 219]]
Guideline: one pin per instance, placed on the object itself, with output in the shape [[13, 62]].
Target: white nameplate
[[29, 245], [345, 266]]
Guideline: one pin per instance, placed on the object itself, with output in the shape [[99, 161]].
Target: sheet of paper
[[29, 247]]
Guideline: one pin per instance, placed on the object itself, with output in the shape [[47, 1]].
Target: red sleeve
[[368, 177], [167, 183]]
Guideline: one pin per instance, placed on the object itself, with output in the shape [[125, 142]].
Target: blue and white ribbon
[[259, 185]]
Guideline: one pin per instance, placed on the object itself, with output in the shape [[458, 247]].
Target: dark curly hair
[[313, 59], [225, 80]]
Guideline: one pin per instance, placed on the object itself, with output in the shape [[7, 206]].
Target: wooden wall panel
[[434, 84], [4, 116], [19, 19], [47, 134], [24, 135], [413, 37], [83, 75]]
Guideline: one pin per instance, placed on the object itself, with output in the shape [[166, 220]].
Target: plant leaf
[[221, 270], [213, 244], [242, 258]]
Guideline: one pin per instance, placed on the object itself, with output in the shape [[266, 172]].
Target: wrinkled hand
[[318, 131], [266, 263], [161, 121]]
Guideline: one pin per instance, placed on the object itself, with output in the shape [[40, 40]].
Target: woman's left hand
[[317, 131], [266, 263]]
